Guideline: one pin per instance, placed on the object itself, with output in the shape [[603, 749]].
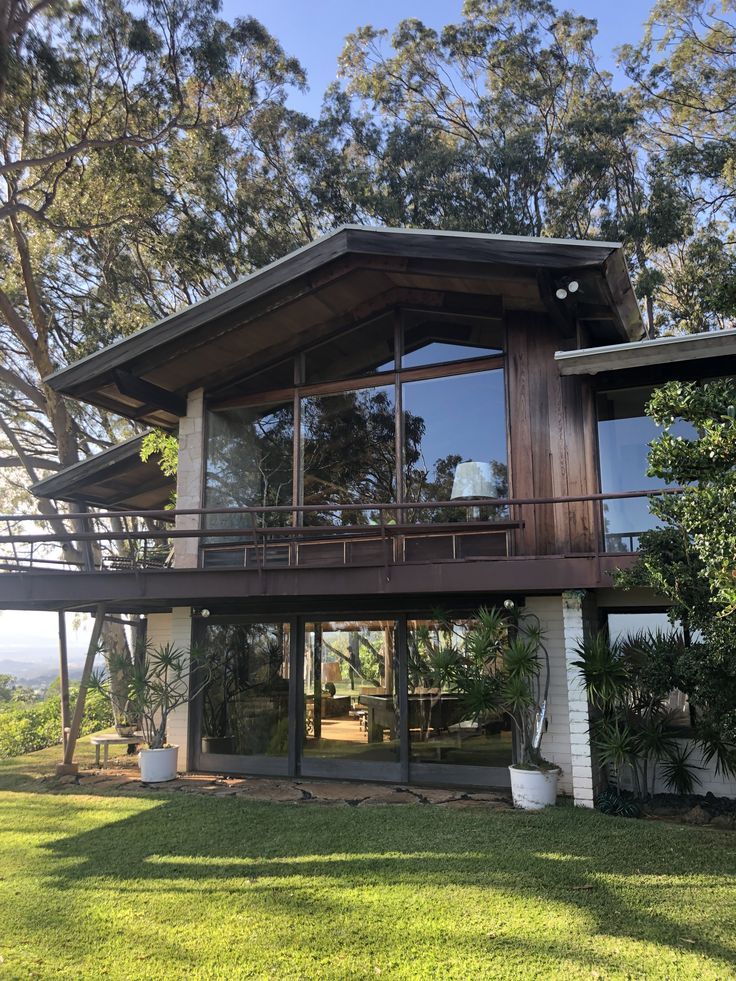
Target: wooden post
[[63, 678], [68, 766]]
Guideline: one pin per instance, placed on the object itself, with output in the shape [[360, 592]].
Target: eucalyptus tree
[[117, 133], [119, 129], [684, 84]]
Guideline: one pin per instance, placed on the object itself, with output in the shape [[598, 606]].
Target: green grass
[[172, 885]]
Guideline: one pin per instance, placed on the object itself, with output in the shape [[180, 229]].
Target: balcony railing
[[315, 536]]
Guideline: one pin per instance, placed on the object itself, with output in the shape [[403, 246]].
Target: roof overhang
[[339, 281], [116, 479], [648, 354]]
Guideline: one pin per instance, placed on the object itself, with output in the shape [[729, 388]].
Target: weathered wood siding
[[552, 451]]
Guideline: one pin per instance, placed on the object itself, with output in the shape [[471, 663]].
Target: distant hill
[[36, 675]]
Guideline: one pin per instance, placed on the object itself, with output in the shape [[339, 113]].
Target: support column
[[577, 700], [190, 478], [63, 679], [69, 766], [175, 628]]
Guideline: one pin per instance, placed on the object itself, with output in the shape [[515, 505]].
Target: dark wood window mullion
[[296, 693], [399, 417], [357, 384], [402, 654]]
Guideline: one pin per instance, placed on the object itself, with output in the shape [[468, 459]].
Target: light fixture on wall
[[203, 613], [566, 286]]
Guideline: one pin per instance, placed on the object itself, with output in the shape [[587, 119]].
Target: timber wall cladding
[[552, 439]]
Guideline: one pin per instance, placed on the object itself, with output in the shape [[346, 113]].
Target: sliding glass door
[[243, 712], [352, 718], [365, 698]]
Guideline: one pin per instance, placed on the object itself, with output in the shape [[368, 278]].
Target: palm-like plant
[[504, 668], [164, 677], [628, 682]]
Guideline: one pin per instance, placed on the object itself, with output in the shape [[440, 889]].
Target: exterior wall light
[[571, 286]]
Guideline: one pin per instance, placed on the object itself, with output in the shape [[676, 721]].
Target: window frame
[[383, 379]]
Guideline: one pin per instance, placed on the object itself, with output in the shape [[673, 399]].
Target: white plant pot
[[533, 789], [158, 765]]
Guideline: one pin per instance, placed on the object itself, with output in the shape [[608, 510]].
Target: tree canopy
[[149, 155]]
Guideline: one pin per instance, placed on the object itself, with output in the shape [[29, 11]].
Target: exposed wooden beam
[[148, 394]]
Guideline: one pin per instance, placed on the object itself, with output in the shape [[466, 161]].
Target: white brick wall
[[719, 785], [189, 479], [566, 741], [582, 766], [556, 742], [174, 628]]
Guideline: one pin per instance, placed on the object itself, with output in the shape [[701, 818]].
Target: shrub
[[26, 728]]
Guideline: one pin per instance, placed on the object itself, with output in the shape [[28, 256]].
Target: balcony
[[131, 556]]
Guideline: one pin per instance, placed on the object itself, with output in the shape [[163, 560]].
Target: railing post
[[385, 542]]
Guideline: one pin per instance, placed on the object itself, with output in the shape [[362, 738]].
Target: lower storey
[[363, 697]]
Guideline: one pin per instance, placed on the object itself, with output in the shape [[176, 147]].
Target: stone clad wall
[[174, 628], [190, 478]]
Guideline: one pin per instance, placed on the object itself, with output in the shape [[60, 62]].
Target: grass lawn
[[183, 886]]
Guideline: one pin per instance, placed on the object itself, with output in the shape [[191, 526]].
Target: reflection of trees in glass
[[349, 451], [451, 412], [246, 698], [249, 463]]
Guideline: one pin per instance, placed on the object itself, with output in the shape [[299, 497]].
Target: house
[[380, 425]]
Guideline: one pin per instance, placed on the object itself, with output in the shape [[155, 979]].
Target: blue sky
[[314, 32]]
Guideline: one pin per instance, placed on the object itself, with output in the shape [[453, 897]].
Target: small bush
[[610, 801], [36, 725]]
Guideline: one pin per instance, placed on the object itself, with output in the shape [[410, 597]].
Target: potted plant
[[504, 667], [162, 681], [124, 725]]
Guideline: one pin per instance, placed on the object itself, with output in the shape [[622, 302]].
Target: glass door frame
[[295, 764], [256, 764], [345, 769]]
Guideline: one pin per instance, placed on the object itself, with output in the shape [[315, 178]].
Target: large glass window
[[437, 338], [442, 726], [452, 429], [624, 434], [364, 350], [351, 706], [249, 464], [349, 452], [245, 706], [455, 442]]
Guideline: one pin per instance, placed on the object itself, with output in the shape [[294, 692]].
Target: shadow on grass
[[629, 880]]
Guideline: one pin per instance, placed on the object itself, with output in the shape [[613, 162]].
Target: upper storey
[[344, 280]]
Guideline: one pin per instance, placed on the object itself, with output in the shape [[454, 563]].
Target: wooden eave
[[332, 284], [116, 479]]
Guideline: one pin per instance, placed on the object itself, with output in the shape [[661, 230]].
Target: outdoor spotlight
[[509, 604], [561, 292], [573, 286], [204, 613]]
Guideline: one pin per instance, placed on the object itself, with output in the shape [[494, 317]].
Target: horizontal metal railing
[[291, 529]]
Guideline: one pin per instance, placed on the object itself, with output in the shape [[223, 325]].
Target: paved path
[[123, 778]]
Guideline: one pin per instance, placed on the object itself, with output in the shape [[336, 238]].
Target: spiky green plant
[[164, 677]]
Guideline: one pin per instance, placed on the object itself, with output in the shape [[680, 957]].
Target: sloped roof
[[116, 479], [647, 354], [329, 284]]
